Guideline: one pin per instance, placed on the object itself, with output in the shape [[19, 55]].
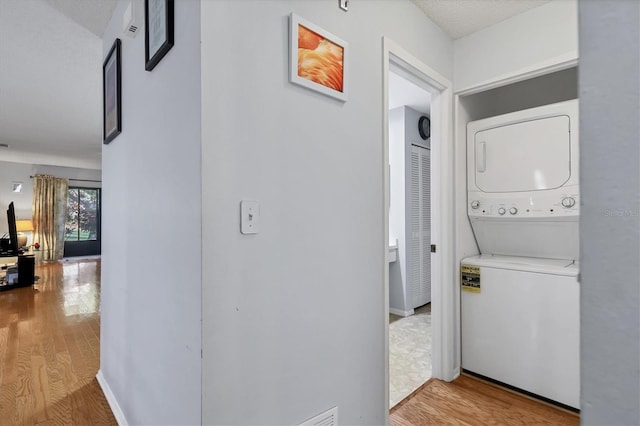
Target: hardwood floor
[[468, 401], [50, 354], [50, 349]]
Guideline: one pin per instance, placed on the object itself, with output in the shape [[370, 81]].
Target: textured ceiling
[[459, 18]]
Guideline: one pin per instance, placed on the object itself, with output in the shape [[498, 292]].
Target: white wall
[[397, 214], [411, 133], [546, 34], [87, 178], [151, 266], [21, 172], [294, 318], [9, 173], [60, 160], [609, 223]]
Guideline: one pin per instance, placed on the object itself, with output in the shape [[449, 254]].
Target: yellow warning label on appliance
[[470, 278]]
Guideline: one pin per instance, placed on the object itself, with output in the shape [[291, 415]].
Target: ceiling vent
[[130, 25]]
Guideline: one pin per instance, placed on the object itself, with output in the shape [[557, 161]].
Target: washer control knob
[[513, 210], [475, 204], [568, 202], [501, 211]]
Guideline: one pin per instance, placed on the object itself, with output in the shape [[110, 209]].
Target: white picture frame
[[318, 59]]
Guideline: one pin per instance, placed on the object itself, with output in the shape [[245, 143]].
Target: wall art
[[317, 59]]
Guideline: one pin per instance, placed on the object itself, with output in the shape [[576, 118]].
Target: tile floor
[[409, 353]]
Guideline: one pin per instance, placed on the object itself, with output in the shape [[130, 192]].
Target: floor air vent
[[328, 418]]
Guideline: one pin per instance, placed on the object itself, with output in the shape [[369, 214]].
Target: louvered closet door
[[420, 246]]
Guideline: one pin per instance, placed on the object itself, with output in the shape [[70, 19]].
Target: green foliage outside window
[[82, 214]]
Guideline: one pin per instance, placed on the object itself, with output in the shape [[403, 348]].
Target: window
[[83, 215]]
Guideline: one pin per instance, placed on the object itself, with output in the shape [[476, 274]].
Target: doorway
[[444, 351], [410, 235], [82, 232]]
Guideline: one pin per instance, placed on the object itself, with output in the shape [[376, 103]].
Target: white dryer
[[523, 196], [520, 298]]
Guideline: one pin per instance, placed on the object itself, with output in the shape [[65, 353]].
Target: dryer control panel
[[533, 206]]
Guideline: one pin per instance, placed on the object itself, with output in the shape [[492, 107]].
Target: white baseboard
[[401, 312], [111, 399], [456, 373]]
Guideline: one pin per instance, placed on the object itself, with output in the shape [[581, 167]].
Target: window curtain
[[49, 213]]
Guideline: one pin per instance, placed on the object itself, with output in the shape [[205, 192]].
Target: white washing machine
[[520, 324], [520, 298]]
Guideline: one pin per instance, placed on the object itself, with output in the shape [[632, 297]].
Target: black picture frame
[[112, 93], [158, 31]]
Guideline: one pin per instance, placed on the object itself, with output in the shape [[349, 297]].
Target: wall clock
[[424, 127]]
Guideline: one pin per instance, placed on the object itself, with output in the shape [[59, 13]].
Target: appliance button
[[475, 204], [501, 211], [568, 202], [513, 210]]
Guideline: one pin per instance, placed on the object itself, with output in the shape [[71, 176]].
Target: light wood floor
[[468, 401], [50, 349], [50, 354]]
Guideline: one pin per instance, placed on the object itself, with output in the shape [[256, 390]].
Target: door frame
[[444, 315], [88, 247]]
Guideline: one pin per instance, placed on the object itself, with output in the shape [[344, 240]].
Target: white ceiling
[[459, 18], [51, 62], [94, 15], [51, 81], [403, 92]]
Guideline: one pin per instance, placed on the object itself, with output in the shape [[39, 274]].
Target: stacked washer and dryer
[[520, 296]]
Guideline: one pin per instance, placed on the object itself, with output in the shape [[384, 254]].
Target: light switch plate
[[249, 217]]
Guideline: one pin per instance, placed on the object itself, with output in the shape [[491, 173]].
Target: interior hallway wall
[[397, 211], [151, 283], [609, 222], [89, 178], [545, 34], [294, 318], [21, 172], [15, 172]]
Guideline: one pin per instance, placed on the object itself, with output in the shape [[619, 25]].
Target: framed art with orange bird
[[317, 59]]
